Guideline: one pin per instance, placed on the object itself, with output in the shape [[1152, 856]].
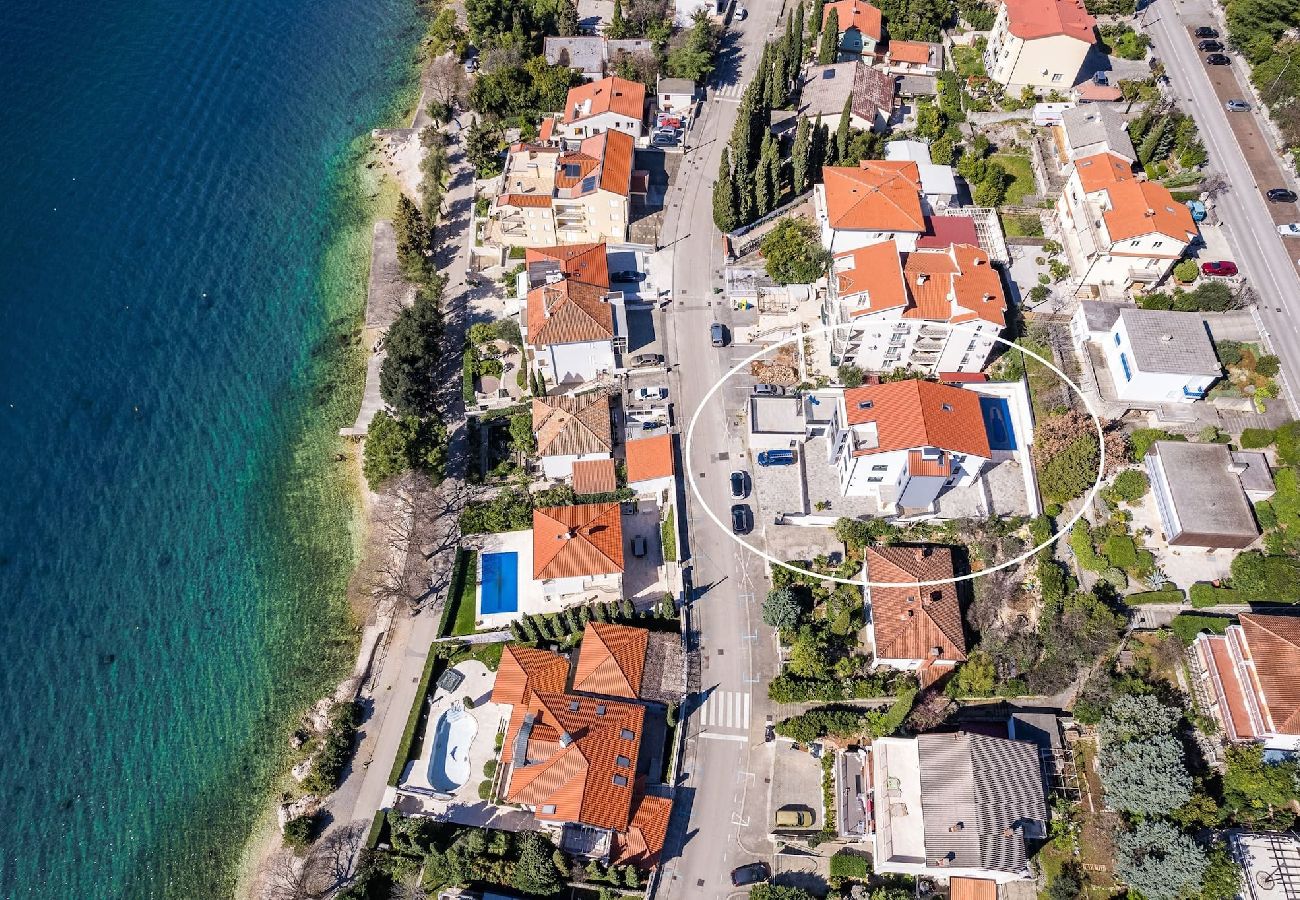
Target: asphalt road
[[1268, 261]]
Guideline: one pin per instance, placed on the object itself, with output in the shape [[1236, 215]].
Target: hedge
[[468, 367], [1256, 438], [1149, 598], [668, 536], [1205, 594], [1188, 625], [846, 864], [450, 603], [433, 667]]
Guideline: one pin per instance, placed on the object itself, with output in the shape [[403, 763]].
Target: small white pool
[[449, 759]]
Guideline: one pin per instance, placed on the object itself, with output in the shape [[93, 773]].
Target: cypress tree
[[601, 612], [584, 615], [799, 156], [571, 621], [774, 175], [627, 609], [543, 630], [746, 196], [817, 151], [830, 39], [724, 197], [763, 194], [517, 631], [796, 41], [528, 628], [778, 81], [842, 134]]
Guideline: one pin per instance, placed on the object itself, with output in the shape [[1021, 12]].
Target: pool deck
[[528, 592]]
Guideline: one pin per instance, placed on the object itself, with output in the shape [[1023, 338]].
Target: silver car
[[1237, 106]]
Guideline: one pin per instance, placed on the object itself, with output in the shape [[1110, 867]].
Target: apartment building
[[606, 104], [875, 201], [570, 328], [1039, 44], [1153, 356]]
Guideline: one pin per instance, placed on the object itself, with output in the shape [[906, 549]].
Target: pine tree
[[627, 609], [842, 133], [571, 621], [774, 174], [799, 156], [725, 215], [830, 39], [617, 25]]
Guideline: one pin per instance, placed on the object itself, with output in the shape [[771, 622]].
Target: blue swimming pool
[[997, 423], [500, 590]]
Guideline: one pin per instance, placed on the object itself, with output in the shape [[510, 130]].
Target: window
[[880, 468], [620, 780], [627, 735], [548, 809], [971, 345], [622, 762], [1056, 78], [865, 404], [1158, 244], [600, 709], [946, 407], [1123, 361], [574, 705], [589, 184], [875, 479], [1117, 339]]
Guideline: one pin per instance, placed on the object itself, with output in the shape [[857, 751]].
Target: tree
[[483, 149], [300, 831], [522, 439], [1158, 860], [1133, 717], [396, 445], [850, 376], [976, 677], [414, 240], [1065, 885], [535, 871], [781, 610], [617, 28], [819, 138], [810, 655], [566, 19], [793, 252], [1222, 878], [842, 133], [800, 155], [1254, 789], [725, 214], [695, 58], [1130, 486], [1146, 777], [769, 891], [795, 40], [830, 45], [1260, 577]]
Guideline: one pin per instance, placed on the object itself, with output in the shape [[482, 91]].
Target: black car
[[1210, 46], [1217, 59], [1206, 31], [753, 873], [627, 275], [739, 485], [769, 732], [741, 518], [1281, 195]]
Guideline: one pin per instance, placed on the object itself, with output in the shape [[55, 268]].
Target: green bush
[[485, 790], [823, 721], [1268, 365], [1130, 485], [1070, 473], [1256, 438], [336, 747], [490, 768], [1287, 438], [1120, 551], [1084, 551], [1151, 598], [1186, 271], [1188, 625], [850, 866], [1204, 594], [1142, 439], [300, 831]]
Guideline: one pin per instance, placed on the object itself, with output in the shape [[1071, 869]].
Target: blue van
[[776, 458]]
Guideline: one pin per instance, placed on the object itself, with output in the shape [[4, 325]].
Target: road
[[1267, 260], [721, 818]]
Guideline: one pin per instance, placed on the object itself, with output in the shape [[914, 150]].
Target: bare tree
[[447, 82]]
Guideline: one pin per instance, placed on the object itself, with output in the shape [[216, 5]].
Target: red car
[[1219, 268]]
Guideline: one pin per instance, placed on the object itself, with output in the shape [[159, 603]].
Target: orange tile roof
[[1030, 19], [1145, 207], [1102, 170], [914, 413], [650, 458], [612, 94], [878, 271], [568, 312], [916, 52], [1274, 643], [587, 263], [611, 660], [573, 541], [594, 476], [1234, 699], [909, 622], [940, 467], [644, 839], [547, 129], [525, 671], [962, 888], [854, 14], [573, 426], [878, 195], [929, 276], [977, 286], [615, 151], [525, 200]]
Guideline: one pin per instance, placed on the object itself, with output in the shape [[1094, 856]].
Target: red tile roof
[[611, 660], [877, 195], [650, 458], [1274, 644], [954, 285], [587, 263], [1102, 170], [910, 622], [594, 476], [875, 269], [615, 150], [525, 200], [1145, 207], [854, 14], [612, 94], [944, 231], [643, 841], [1031, 19], [916, 52], [568, 312], [525, 671], [914, 413], [573, 541], [573, 426], [961, 888]]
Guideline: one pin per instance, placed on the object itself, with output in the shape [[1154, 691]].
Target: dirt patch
[[782, 369]]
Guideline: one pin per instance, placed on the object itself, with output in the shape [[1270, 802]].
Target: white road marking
[[726, 709], [714, 736]]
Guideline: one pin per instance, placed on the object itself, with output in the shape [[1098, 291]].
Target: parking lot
[[796, 784], [643, 577]]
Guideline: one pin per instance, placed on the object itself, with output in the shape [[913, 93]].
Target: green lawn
[[1017, 166], [1022, 226], [668, 535], [463, 596], [968, 61]]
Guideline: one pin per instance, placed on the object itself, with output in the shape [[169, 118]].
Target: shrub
[[1150, 598], [1205, 594], [1084, 552], [1071, 473], [485, 790], [847, 865], [300, 831], [1186, 271], [1186, 626], [1121, 551], [490, 768], [1130, 485], [1256, 438], [335, 748], [1268, 365], [850, 375], [821, 722], [1287, 439], [1260, 577], [1142, 439]]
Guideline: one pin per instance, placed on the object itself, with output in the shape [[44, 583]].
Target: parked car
[[768, 390], [638, 546], [742, 519], [1281, 195], [1217, 59], [1222, 267], [769, 733], [471, 63], [1237, 106], [648, 359], [1210, 46], [664, 140], [1291, 229], [741, 13], [776, 458], [1205, 31], [794, 818], [718, 334], [627, 275], [753, 873], [651, 393], [740, 485]]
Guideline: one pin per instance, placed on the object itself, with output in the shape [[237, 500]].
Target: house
[[860, 26], [1247, 679], [651, 464], [1199, 495], [575, 755], [578, 550], [1039, 44], [590, 55], [607, 104], [893, 308], [913, 58], [1154, 356], [868, 91], [904, 442], [913, 627], [552, 196], [875, 201], [675, 99], [938, 183], [1092, 129], [956, 805], [571, 431], [1120, 230], [569, 323], [1268, 862]]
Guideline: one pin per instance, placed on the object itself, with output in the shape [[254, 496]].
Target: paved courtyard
[[644, 581], [1184, 566], [796, 783]]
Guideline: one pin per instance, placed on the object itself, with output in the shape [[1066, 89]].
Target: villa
[[912, 627], [578, 552], [1153, 356], [606, 104], [875, 201], [571, 431], [1247, 679], [1040, 44], [868, 90], [570, 327], [1201, 494], [860, 27]]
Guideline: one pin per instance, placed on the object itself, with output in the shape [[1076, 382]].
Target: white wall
[[578, 362], [1049, 63], [1148, 387], [599, 124]]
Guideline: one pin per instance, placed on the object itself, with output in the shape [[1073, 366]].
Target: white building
[[578, 550], [872, 202], [1120, 230], [606, 104], [1153, 356], [1039, 43], [938, 183], [572, 429], [569, 324]]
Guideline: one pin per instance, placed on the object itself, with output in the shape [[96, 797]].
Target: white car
[[741, 13], [1291, 229]]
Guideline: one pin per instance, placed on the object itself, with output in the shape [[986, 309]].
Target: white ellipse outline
[[952, 326]]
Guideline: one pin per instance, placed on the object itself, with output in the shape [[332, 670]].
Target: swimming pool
[[499, 591], [997, 423], [449, 760]]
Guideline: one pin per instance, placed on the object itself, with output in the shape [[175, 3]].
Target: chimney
[[568, 535], [565, 739], [922, 278], [1150, 212]]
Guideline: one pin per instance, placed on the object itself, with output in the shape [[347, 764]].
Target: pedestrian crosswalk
[[725, 709], [731, 91]]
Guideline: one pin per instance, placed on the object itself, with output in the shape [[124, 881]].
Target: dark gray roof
[[1255, 474], [918, 85], [1174, 343], [1100, 315], [675, 86], [586, 53], [979, 797], [825, 88], [1098, 123], [1207, 496]]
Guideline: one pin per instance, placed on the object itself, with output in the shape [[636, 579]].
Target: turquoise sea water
[[181, 239]]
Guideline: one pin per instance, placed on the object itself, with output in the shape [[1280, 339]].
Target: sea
[[184, 236]]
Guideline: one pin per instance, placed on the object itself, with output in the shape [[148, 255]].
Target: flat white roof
[[900, 827]]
